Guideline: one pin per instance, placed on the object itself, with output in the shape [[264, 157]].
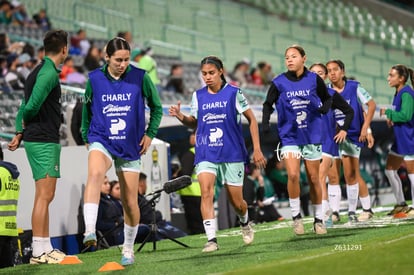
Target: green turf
[[383, 246]]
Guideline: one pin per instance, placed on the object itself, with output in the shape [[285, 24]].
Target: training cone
[[70, 259], [400, 215], [110, 266]]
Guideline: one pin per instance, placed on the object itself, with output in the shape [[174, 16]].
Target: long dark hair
[[211, 59], [405, 72]]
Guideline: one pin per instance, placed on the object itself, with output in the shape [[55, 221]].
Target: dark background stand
[[154, 228]]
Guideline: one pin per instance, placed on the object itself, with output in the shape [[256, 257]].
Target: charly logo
[[117, 124], [215, 134]]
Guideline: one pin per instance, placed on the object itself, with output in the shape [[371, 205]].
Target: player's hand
[[175, 110], [145, 144], [15, 142], [259, 159], [340, 136]]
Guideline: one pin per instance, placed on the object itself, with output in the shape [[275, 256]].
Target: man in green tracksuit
[[37, 124]]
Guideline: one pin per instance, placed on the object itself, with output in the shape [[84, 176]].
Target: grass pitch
[[381, 246]]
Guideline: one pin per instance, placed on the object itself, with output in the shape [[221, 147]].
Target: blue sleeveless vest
[[118, 113], [403, 131], [299, 121], [350, 95], [219, 136]]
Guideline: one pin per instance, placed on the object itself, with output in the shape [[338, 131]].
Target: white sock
[[325, 206], [396, 185], [352, 193], [294, 206], [38, 246], [411, 177], [335, 196], [210, 226], [365, 202], [90, 214], [317, 209], [130, 233], [245, 218]]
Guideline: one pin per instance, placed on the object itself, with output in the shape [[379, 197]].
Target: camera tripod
[[154, 231]]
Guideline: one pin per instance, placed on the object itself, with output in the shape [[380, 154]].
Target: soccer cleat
[[319, 227], [352, 218], [398, 209], [335, 217], [55, 256], [90, 239], [247, 233], [365, 215], [210, 247], [42, 259], [298, 228], [128, 257]]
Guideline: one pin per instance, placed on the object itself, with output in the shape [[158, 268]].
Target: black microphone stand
[[154, 228]]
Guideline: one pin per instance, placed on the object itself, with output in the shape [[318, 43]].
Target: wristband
[[369, 131], [18, 133]]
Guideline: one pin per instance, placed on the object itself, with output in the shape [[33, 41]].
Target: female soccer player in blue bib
[[220, 151], [113, 127]]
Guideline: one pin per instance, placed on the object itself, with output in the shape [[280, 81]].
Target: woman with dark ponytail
[[401, 118], [220, 151], [114, 129]]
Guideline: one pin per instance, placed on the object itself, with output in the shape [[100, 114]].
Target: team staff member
[[350, 149], [220, 151], [300, 97], [9, 195], [401, 118], [113, 127], [40, 116]]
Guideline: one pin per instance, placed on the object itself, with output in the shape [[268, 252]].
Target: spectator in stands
[[401, 118], [42, 20], [79, 44], [265, 72], [7, 48], [147, 63], [77, 77], [175, 81], [358, 132], [25, 65], [223, 153], [92, 59], [9, 195], [124, 141], [127, 35], [20, 15], [299, 126], [15, 79], [191, 195], [6, 12], [241, 74], [40, 114], [67, 68], [110, 219]]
